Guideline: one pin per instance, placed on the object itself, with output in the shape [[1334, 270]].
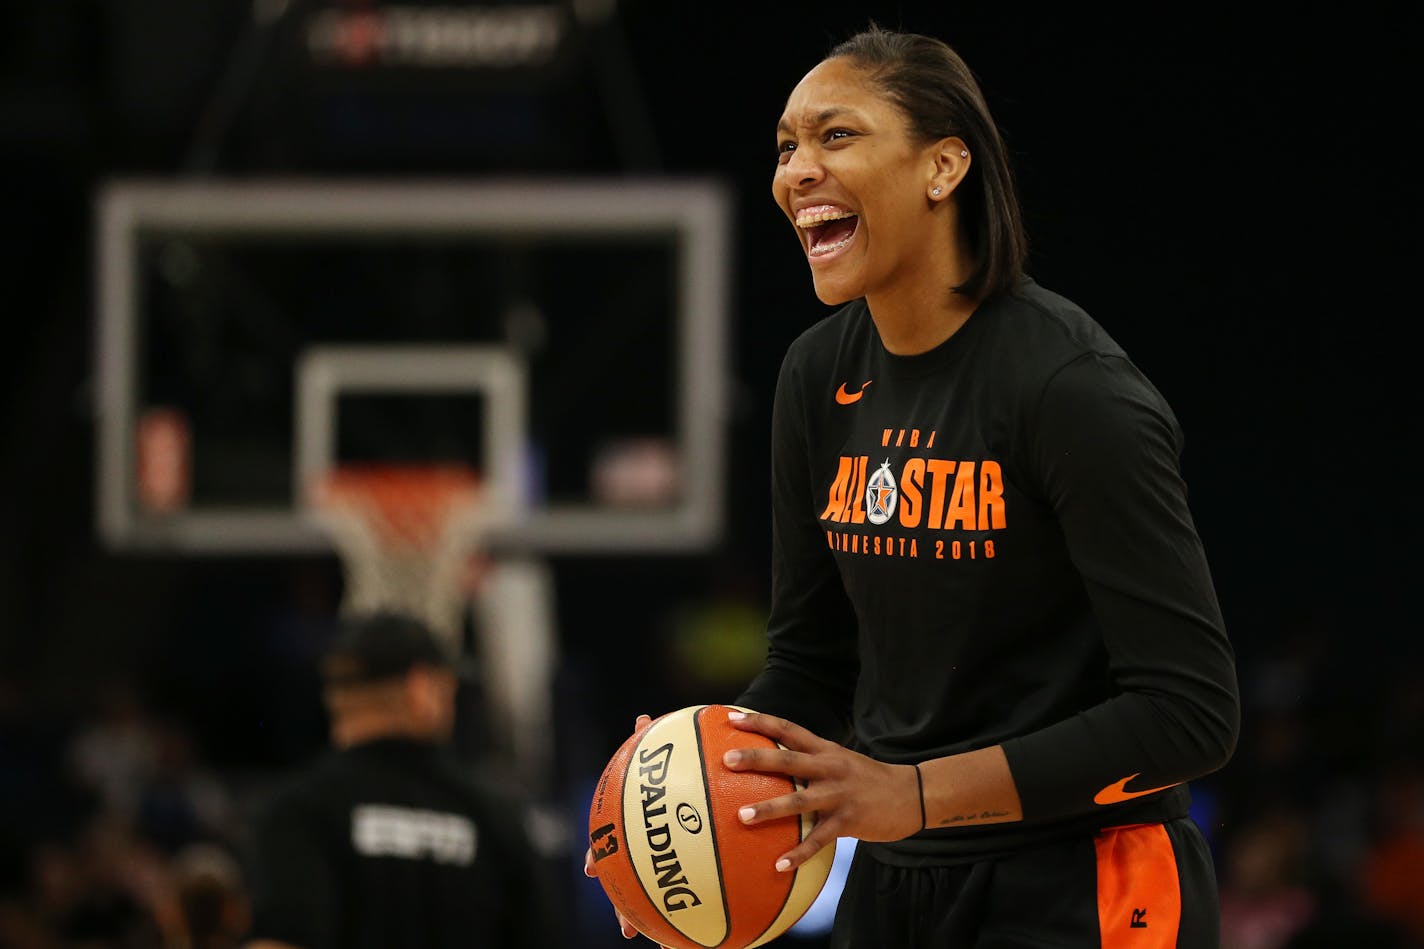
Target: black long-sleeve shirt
[[990, 543]]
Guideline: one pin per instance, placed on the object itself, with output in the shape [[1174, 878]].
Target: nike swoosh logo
[[1117, 792], [846, 398]]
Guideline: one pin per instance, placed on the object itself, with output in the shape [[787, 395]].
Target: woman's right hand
[[589, 870]]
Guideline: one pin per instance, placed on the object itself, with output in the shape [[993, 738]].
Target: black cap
[[384, 645]]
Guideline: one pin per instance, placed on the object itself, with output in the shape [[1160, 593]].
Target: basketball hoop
[[404, 534]]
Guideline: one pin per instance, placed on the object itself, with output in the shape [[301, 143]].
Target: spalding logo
[[677, 892], [688, 817]]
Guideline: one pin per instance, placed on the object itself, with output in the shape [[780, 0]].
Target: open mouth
[[827, 229]]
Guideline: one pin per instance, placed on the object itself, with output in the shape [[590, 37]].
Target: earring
[[936, 192], [963, 153]]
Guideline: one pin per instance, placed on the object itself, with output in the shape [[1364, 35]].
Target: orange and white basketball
[[671, 853]]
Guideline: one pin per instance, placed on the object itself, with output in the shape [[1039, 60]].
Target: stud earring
[[963, 153], [936, 192]]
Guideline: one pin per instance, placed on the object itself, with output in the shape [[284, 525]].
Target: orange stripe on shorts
[[1139, 895]]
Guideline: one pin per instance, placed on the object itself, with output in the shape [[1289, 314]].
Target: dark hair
[[937, 92], [382, 645]]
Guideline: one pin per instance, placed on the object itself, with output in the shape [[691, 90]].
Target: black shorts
[[1144, 886]]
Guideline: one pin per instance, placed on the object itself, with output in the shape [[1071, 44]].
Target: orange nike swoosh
[[1117, 792], [846, 398]]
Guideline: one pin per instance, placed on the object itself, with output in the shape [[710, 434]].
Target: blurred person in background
[[1265, 892], [390, 840], [1392, 871], [211, 896], [105, 886]]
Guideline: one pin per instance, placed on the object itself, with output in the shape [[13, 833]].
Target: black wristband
[[920, 780]]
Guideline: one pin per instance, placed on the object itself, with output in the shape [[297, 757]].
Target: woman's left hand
[[851, 795]]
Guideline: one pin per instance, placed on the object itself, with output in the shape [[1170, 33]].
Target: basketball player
[[387, 840], [995, 651]]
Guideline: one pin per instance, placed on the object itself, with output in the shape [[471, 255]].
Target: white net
[[406, 536], [411, 538]]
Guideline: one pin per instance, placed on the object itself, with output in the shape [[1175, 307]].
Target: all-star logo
[[881, 494]]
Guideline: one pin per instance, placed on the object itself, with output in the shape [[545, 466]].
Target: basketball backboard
[[573, 336]]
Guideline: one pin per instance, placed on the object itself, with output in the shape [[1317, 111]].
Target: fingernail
[[783, 865], [732, 758], [736, 716], [746, 813]]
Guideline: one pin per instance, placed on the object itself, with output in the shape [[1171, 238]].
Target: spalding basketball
[[671, 853]]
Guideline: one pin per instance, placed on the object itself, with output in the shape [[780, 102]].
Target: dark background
[[1232, 196]]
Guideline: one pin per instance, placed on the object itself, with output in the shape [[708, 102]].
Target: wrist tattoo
[[982, 815]]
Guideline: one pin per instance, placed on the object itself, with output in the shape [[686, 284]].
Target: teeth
[[820, 250], [820, 215]]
